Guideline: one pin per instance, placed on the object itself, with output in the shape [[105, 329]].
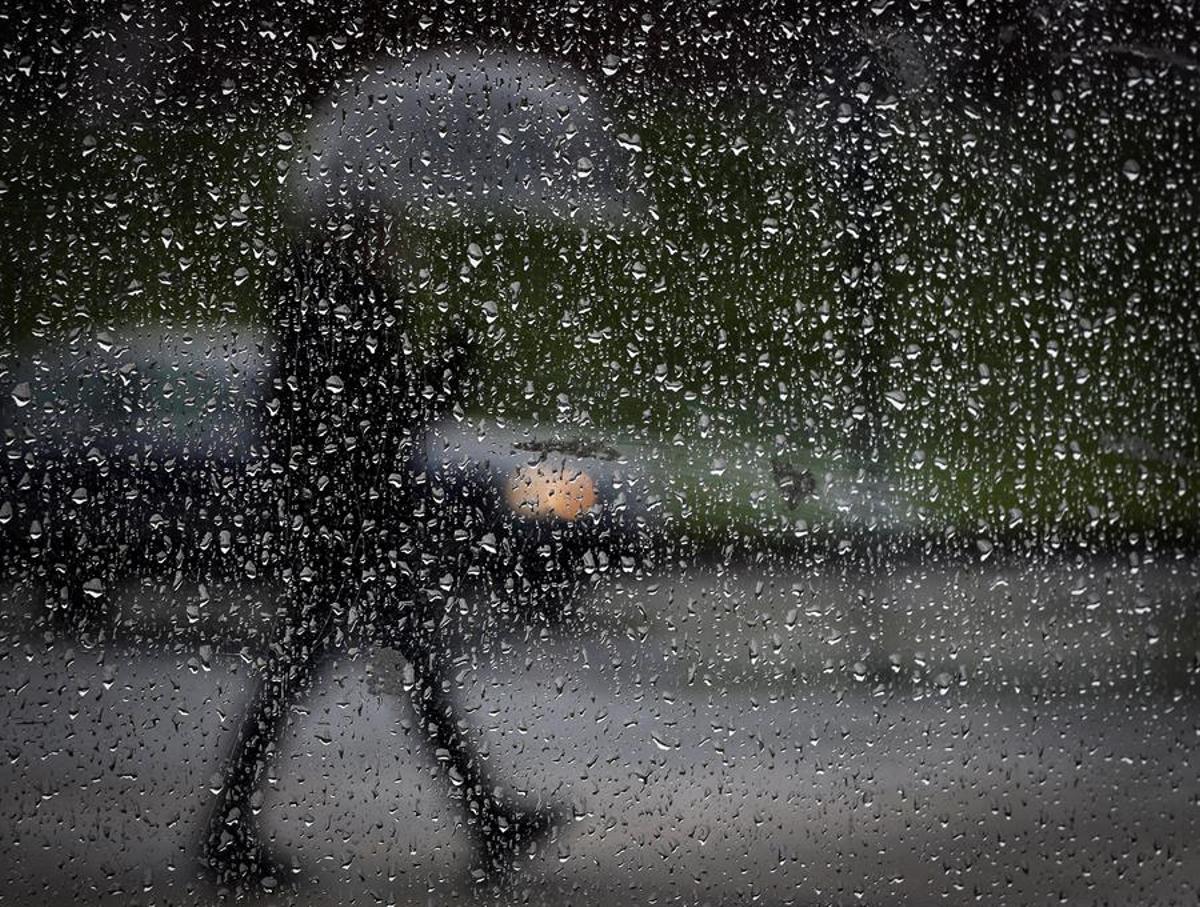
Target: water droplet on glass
[[21, 394], [897, 398]]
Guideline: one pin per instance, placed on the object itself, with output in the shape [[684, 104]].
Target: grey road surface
[[938, 734]]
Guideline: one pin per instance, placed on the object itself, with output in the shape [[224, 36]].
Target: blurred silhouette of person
[[441, 140]]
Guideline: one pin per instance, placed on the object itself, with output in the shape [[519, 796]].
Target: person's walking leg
[[502, 829], [232, 849]]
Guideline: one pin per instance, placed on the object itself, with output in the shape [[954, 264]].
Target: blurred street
[[947, 732]]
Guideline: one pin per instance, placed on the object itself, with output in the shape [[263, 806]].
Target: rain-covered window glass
[[533, 452]]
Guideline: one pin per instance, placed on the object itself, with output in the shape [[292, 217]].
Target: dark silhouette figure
[[355, 544], [468, 136]]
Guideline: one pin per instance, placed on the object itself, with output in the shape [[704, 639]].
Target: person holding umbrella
[[457, 137]]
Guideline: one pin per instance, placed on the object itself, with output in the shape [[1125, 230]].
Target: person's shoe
[[234, 858], [507, 833]]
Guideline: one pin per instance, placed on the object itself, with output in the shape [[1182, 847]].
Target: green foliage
[[1028, 354]]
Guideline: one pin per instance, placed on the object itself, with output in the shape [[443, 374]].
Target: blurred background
[[898, 333]]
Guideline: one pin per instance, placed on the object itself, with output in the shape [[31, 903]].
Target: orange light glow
[[550, 492]]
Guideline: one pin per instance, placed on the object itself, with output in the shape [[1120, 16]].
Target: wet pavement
[[939, 733]]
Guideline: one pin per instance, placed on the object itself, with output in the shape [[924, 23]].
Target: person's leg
[[501, 828], [232, 849]]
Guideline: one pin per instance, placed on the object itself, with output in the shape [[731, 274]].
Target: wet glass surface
[[689, 455]]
